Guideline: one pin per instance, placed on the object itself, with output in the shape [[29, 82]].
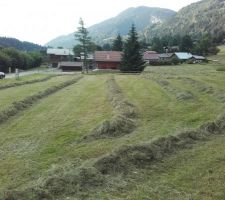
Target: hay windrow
[[181, 95], [139, 156], [28, 82], [77, 180], [124, 120], [69, 182], [19, 106]]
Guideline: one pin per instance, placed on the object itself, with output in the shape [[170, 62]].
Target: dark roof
[[199, 57], [71, 64], [110, 56], [150, 55], [166, 55]]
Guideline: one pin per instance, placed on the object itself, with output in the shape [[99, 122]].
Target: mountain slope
[[23, 46], [206, 16], [140, 16]]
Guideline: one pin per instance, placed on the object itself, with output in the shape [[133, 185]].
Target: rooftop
[[112, 56], [60, 52]]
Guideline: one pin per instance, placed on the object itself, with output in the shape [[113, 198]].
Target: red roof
[[110, 56], [151, 55]]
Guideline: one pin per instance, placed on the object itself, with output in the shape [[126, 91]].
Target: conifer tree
[[132, 59], [117, 44], [82, 36]]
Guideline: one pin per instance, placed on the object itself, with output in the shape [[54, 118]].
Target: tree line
[[204, 45], [13, 58]]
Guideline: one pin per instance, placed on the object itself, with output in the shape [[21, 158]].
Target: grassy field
[[55, 146]]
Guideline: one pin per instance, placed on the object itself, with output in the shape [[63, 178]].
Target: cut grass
[[10, 95], [46, 135]]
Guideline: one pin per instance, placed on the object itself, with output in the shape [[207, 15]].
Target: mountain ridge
[[141, 16]]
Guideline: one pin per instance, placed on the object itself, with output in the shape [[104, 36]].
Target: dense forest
[[13, 58], [17, 44], [197, 19]]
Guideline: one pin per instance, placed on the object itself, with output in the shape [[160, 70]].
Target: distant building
[[59, 55], [150, 56], [198, 59], [71, 66], [167, 56], [107, 59], [183, 56]]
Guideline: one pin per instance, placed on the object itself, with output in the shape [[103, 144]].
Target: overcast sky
[[39, 21]]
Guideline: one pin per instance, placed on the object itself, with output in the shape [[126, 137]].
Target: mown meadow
[[155, 135]]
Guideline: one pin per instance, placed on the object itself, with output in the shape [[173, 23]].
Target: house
[[198, 59], [150, 56], [58, 55], [167, 56], [107, 59], [71, 66], [183, 56]]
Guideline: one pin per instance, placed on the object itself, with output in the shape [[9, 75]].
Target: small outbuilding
[[198, 59], [71, 66]]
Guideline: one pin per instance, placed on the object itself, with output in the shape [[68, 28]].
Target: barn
[[107, 59], [71, 66]]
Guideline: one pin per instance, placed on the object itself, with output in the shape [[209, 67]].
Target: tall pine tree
[[132, 59], [85, 41], [117, 44]]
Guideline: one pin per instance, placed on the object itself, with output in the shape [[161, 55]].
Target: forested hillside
[[17, 44], [203, 17]]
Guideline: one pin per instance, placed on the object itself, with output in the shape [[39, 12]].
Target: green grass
[[49, 133], [10, 95], [22, 79]]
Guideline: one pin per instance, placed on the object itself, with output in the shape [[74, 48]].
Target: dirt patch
[[19, 106], [124, 120]]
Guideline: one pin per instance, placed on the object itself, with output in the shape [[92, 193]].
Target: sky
[[40, 21]]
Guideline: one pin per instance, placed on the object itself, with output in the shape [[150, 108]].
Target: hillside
[[140, 16], [206, 16], [20, 45]]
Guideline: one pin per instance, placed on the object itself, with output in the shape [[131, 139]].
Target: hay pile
[[77, 180], [124, 117], [59, 182], [139, 156], [19, 106]]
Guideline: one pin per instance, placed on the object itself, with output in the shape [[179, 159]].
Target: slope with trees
[[17, 44]]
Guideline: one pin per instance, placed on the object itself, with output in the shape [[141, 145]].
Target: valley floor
[[93, 137]]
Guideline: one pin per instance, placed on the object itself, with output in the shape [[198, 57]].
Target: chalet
[[58, 55], [150, 56], [71, 66], [167, 56], [107, 59]]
